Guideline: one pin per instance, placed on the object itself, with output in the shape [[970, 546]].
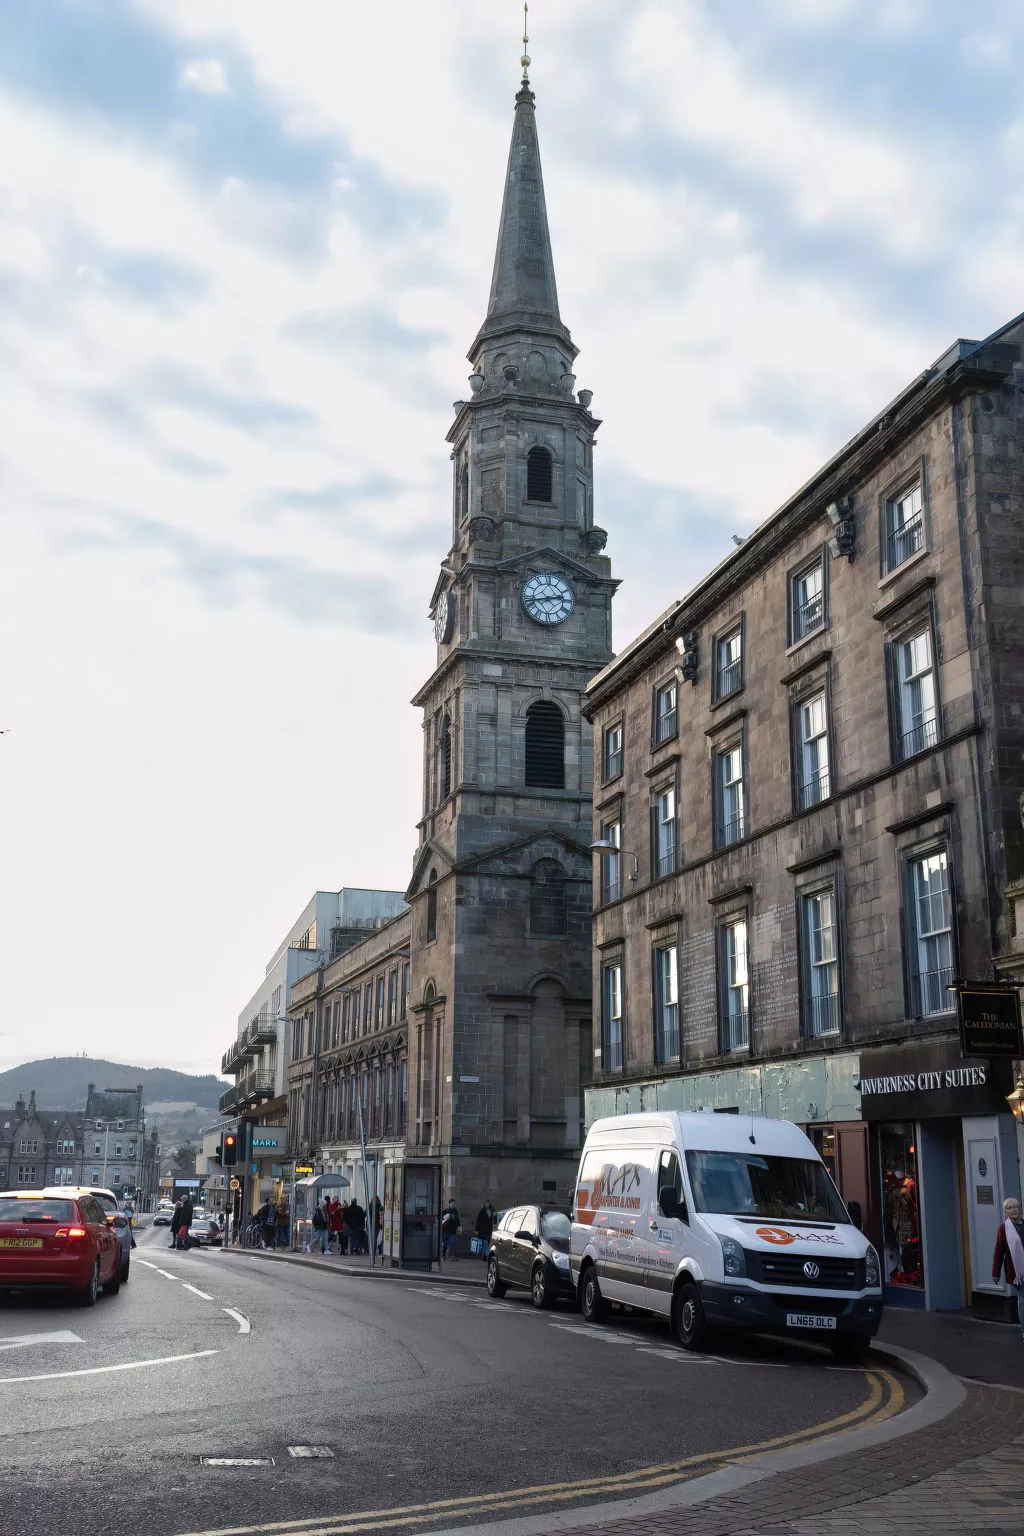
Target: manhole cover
[[236, 1461], [310, 1450]]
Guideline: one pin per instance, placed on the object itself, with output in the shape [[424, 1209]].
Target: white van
[[720, 1220]]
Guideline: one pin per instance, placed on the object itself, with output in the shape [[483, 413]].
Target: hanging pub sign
[[989, 1018]]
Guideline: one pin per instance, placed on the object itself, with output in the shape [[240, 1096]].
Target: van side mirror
[[669, 1202], [856, 1216]]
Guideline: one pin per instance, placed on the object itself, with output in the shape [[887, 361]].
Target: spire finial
[[525, 60]]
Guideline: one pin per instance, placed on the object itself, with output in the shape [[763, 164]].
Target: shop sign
[[268, 1140], [989, 1017], [923, 1082], [301, 1168], [236, 1184]]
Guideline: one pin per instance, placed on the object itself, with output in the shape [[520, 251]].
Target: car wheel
[[113, 1285], [852, 1347], [496, 1287], [688, 1322], [88, 1293], [540, 1291], [592, 1303]]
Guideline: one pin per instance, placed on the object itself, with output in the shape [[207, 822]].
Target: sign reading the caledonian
[[990, 1023]]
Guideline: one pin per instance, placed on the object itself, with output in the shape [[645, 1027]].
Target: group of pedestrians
[[451, 1228], [274, 1221], [344, 1229], [181, 1220]]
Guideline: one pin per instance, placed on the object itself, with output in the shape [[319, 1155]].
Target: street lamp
[[605, 847], [1016, 1100]]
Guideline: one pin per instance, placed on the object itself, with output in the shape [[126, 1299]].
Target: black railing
[[729, 678], [821, 1014], [665, 726], [611, 1052], [730, 831], [735, 1025], [815, 789], [808, 615], [665, 859], [932, 993], [920, 737], [905, 541]]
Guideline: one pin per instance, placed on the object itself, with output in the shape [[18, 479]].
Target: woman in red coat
[[1008, 1258]]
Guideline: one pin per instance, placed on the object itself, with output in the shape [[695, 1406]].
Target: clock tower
[[500, 1035]]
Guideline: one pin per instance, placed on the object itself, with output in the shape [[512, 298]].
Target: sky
[[244, 247]]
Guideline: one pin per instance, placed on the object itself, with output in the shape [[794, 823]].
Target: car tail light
[[77, 1232]]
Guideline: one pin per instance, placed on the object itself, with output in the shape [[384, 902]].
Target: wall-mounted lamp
[[1016, 1101]]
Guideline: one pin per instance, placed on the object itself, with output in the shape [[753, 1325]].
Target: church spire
[[523, 292]]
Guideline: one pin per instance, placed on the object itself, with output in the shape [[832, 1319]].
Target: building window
[[611, 751], [545, 746], [904, 526], [346, 1015], [808, 600], [666, 712], [735, 981], [538, 475], [611, 863], [115, 1177], [729, 664], [547, 898], [356, 1000], [611, 1017], [379, 1017], [392, 997], [118, 1150], [663, 840], [367, 1007], [729, 795], [821, 963], [931, 934], [432, 907], [95, 1176], [403, 1096], [97, 1148], [666, 1004], [815, 782], [131, 1149], [918, 709], [406, 982]]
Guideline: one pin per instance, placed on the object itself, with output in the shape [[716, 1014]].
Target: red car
[[52, 1243]]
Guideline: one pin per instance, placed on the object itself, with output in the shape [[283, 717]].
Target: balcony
[[262, 1031], [240, 1050], [257, 1086], [228, 1101]]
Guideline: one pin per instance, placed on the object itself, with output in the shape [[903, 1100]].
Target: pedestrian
[[268, 1221], [320, 1229], [1008, 1258], [377, 1223], [176, 1223], [281, 1229], [451, 1226], [355, 1221], [185, 1221], [483, 1228]]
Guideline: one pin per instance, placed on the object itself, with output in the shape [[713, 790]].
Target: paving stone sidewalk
[[964, 1474]]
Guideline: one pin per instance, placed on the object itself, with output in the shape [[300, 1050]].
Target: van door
[[665, 1238]]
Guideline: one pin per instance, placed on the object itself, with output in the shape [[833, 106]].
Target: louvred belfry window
[[538, 475], [545, 746]]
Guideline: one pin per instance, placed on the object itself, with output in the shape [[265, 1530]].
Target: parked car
[[116, 1218], [58, 1242], [206, 1231], [530, 1248]]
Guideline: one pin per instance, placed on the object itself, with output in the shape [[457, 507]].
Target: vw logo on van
[[811, 1270]]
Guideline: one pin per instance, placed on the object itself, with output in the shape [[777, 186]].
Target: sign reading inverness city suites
[[989, 1018], [926, 1080]]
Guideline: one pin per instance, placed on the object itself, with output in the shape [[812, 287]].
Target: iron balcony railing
[[821, 1014], [665, 726], [262, 1031], [228, 1100], [729, 678], [931, 992], [920, 737], [730, 831], [808, 616], [815, 789], [905, 541], [736, 1026]]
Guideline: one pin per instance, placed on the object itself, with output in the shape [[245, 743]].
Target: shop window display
[[901, 1216]]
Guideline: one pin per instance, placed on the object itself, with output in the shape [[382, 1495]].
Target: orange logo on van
[[776, 1235]]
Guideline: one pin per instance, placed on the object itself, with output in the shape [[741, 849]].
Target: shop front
[[943, 1158]]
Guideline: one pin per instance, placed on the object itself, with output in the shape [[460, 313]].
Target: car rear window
[[54, 1211], [107, 1202]]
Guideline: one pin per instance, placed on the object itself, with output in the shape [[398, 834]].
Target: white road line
[[675, 1355], [244, 1326], [26, 1340], [195, 1290], [102, 1370], [165, 1272], [310, 1450]]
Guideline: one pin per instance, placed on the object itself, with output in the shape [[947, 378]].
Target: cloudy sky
[[244, 246]]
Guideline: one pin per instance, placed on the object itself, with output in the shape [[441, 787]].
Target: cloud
[[206, 75]]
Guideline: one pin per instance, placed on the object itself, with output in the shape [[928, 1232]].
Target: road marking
[[592, 1333], [310, 1450], [165, 1272], [875, 1408], [102, 1370], [236, 1461], [677, 1355], [244, 1326], [195, 1290], [26, 1340]]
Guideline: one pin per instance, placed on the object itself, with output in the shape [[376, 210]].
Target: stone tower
[[500, 1035]]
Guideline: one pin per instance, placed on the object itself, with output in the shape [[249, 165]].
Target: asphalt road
[[424, 1394]]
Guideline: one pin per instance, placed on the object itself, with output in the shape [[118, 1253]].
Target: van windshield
[[750, 1184]]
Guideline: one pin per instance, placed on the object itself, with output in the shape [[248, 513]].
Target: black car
[[530, 1248]]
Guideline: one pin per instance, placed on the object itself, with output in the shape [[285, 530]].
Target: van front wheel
[[688, 1322], [592, 1303]]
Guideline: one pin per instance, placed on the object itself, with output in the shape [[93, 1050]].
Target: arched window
[[547, 898], [538, 475], [442, 758], [463, 497], [432, 907], [545, 746]]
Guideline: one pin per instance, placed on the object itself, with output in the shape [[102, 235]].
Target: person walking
[[176, 1223], [483, 1227], [268, 1221], [1008, 1258], [335, 1224], [187, 1212], [320, 1230], [451, 1226], [281, 1229]]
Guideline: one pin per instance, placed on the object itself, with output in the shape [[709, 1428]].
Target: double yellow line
[[884, 1399]]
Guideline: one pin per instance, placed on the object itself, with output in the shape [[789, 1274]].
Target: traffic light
[[229, 1149]]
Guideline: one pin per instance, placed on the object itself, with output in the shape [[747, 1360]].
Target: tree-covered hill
[[62, 1082]]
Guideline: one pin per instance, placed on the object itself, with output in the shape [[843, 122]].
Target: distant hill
[[62, 1082]]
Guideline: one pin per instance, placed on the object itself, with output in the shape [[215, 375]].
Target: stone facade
[[106, 1145]]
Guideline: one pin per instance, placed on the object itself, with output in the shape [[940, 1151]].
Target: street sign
[[236, 1184], [989, 1018]]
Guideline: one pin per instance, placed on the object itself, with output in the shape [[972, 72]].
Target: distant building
[[39, 1146], [105, 1145]]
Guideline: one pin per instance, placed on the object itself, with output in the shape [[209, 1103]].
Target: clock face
[[444, 618], [547, 598]]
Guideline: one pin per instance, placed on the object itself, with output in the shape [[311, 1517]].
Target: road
[[426, 1395]]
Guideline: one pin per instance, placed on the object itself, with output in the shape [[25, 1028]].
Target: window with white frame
[[611, 1016], [611, 751], [666, 1003], [611, 863], [666, 712], [97, 1148], [95, 1176], [821, 962], [729, 663], [26, 1174], [931, 933], [663, 842], [808, 600], [918, 708], [904, 526], [812, 731], [729, 795], [116, 1176], [735, 984]]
